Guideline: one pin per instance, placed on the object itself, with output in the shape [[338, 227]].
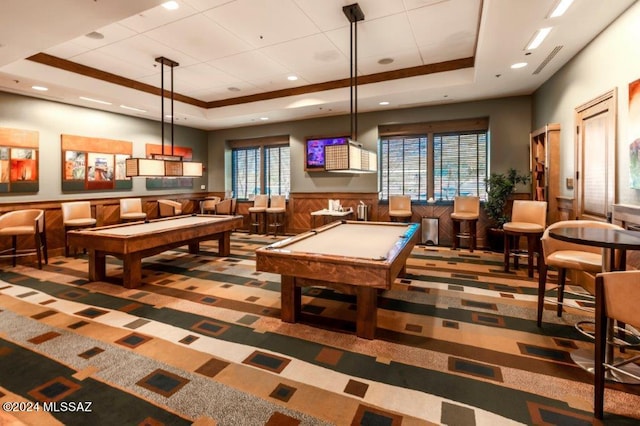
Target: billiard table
[[135, 240], [357, 258]]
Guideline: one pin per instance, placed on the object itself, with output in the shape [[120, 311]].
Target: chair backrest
[[399, 202], [620, 292], [466, 204], [527, 211], [209, 205], [617, 294], [130, 205], [76, 210], [261, 200], [551, 245], [27, 217], [226, 206], [213, 198], [278, 202]]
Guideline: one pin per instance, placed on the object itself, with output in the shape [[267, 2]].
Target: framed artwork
[[634, 131], [94, 164], [19, 166]]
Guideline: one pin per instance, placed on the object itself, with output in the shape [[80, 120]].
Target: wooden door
[[595, 157]]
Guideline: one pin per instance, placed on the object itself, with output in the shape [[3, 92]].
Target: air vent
[[549, 57]]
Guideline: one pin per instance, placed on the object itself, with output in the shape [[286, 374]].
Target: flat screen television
[[314, 152]]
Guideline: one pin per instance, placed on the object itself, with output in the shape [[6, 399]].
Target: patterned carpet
[[201, 343]]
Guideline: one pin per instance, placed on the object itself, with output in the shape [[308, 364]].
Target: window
[[439, 160], [260, 166], [460, 165], [246, 172], [404, 167], [277, 170]]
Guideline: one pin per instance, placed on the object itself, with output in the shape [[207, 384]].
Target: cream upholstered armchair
[[208, 205], [465, 209], [400, 208], [226, 206], [131, 209], [528, 219], [75, 215], [169, 208], [563, 255], [25, 223]]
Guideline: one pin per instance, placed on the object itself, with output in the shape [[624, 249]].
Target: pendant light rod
[[171, 64], [354, 14]]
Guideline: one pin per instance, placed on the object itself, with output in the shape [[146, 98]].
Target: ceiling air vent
[[549, 57]]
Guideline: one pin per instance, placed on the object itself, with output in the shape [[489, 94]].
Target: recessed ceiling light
[[171, 5], [560, 8], [292, 78], [98, 101], [538, 38], [40, 88], [233, 89], [384, 103], [132, 108], [264, 118], [385, 61], [95, 35], [519, 65]]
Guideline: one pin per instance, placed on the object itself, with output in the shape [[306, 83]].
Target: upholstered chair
[[528, 219], [75, 215], [258, 213], [27, 223], [465, 210], [617, 294], [226, 206], [131, 210], [208, 205], [276, 213], [564, 255], [168, 208], [400, 208]]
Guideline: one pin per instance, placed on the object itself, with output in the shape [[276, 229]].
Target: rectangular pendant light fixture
[[163, 165]]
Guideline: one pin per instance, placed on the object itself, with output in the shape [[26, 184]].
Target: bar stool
[[75, 215], [465, 209], [25, 223], [616, 296], [276, 213], [563, 255], [258, 213], [400, 208], [528, 219]]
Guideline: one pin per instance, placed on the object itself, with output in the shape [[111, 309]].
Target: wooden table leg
[[367, 312], [97, 265], [132, 270], [224, 244], [194, 248], [290, 302]]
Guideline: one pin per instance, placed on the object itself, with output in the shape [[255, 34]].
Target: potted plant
[[500, 186]]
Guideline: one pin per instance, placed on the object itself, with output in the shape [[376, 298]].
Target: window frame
[[260, 144], [430, 130]]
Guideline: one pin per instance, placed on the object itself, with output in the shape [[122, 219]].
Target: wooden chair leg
[[472, 233], [542, 288], [14, 241], [38, 249], [507, 251], [562, 276], [456, 231]]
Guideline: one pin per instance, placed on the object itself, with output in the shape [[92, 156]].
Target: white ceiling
[[252, 46]]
